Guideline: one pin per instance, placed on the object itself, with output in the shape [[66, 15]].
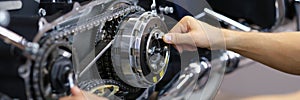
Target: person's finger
[[179, 39], [76, 91]]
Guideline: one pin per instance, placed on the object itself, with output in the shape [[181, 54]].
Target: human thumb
[[179, 39]]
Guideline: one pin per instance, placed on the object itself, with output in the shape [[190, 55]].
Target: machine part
[[4, 18], [51, 70], [42, 12], [101, 87], [13, 38], [297, 8], [71, 80], [232, 61], [106, 88], [100, 90], [4, 97], [153, 7], [86, 19], [194, 73], [158, 52], [11, 4], [60, 71], [140, 56], [227, 20], [281, 11], [82, 34], [105, 63], [205, 68], [166, 10], [96, 58], [98, 48], [54, 6]]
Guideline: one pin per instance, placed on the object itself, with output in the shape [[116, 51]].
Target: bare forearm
[[280, 51]]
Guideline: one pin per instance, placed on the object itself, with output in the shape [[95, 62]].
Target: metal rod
[[228, 20], [10, 37], [96, 58], [71, 80]]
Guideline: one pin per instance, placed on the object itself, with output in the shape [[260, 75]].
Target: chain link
[[95, 21]]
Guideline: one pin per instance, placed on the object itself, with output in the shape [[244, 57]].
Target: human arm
[[279, 51], [289, 96]]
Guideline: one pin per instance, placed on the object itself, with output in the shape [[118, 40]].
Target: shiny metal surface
[[13, 38], [228, 20], [4, 18], [232, 61], [280, 13], [11, 5], [138, 54], [186, 80], [96, 58], [137, 35]]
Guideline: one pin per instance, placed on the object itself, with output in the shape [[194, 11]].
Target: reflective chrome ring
[[139, 54]]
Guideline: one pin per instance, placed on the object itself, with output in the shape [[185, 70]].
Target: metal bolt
[[32, 48], [167, 10], [42, 12]]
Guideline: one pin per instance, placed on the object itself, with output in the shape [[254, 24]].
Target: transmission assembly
[[114, 48]]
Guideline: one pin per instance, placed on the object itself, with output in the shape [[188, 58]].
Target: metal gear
[[52, 65], [49, 61]]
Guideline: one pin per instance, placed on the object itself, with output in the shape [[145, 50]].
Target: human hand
[[190, 33], [78, 94]]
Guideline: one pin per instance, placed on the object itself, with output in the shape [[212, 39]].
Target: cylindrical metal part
[[4, 18], [12, 38]]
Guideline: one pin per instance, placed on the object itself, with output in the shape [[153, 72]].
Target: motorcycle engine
[[114, 48]]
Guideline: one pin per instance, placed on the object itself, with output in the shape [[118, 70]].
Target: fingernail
[[168, 38]]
